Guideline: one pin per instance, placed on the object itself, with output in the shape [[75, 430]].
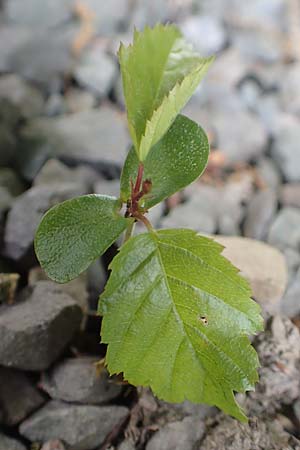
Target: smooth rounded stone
[[11, 39], [33, 13], [81, 427], [290, 303], [228, 68], [262, 265], [285, 150], [268, 173], [292, 258], [260, 213], [7, 145], [230, 434], [54, 444], [18, 396], [278, 349], [55, 105], [78, 100], [96, 280], [77, 380], [178, 435], [268, 109], [290, 195], [195, 27], [7, 443], [262, 13], [285, 230], [108, 17], [128, 444], [10, 180], [55, 172], [27, 212], [290, 89], [35, 331], [98, 137], [96, 71], [107, 187]]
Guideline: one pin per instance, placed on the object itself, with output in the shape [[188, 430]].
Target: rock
[[290, 305], [128, 444], [55, 105], [26, 214], [107, 187], [262, 13], [25, 97], [268, 173], [292, 258], [278, 349], [32, 13], [108, 17], [77, 380], [7, 145], [77, 100], [96, 280], [33, 333], [290, 89], [97, 137], [178, 435], [195, 27], [11, 39], [80, 427], [55, 172], [260, 212], [53, 445], [7, 443], [285, 230], [18, 396], [230, 434], [96, 72], [149, 13], [10, 181], [6, 200], [290, 195], [32, 154], [262, 265], [285, 149]]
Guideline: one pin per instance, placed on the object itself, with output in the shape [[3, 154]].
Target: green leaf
[[74, 233], [173, 163], [160, 72], [177, 316]]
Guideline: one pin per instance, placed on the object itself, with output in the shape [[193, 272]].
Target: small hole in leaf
[[204, 320]]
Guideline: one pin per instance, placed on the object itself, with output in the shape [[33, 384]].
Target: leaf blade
[[74, 233], [153, 325]]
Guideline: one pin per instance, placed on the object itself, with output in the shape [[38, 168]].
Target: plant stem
[[139, 178], [129, 231]]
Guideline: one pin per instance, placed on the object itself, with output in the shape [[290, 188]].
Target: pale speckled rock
[[260, 212], [285, 230], [7, 443], [262, 265]]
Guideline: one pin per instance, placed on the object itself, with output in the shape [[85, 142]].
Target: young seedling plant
[[177, 315]]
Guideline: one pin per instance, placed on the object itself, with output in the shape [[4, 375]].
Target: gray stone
[[77, 100], [10, 180], [27, 211], [80, 427], [7, 145], [26, 98], [290, 195], [149, 13], [128, 444], [95, 136], [292, 258], [33, 333], [195, 27], [55, 105], [178, 435], [262, 265], [269, 176], [54, 444], [11, 39], [285, 230], [285, 148], [259, 13], [6, 200], [107, 187], [260, 213], [77, 380], [108, 17], [18, 396], [96, 280], [7, 443], [290, 89], [290, 304], [96, 71]]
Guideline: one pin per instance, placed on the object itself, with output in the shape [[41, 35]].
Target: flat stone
[[290, 195], [34, 332], [262, 265], [7, 443], [77, 380], [26, 214], [80, 427], [260, 212], [290, 304], [178, 435], [18, 396], [285, 230]]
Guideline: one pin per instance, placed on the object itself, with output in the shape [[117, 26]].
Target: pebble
[[285, 230], [77, 100], [268, 173], [290, 304], [262, 265], [7, 443], [11, 39], [290, 195], [82, 427], [290, 89], [10, 181], [18, 396], [34, 332], [260, 213], [108, 17], [77, 380], [54, 444]]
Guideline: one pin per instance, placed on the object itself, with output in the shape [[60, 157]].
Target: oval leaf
[[160, 72], [174, 162], [163, 305], [74, 233]]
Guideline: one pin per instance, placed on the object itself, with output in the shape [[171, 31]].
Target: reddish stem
[[139, 178]]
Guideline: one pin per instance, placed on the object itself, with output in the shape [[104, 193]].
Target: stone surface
[[54, 444], [34, 332], [268, 173], [178, 435], [18, 396], [290, 195], [77, 380], [262, 265], [260, 212], [290, 89], [77, 100], [7, 443], [285, 230], [108, 17], [10, 181], [290, 304], [11, 39], [107, 187], [27, 211], [80, 427]]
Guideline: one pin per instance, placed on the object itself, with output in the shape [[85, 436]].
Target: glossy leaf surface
[[173, 163], [74, 233], [160, 72], [176, 316]]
